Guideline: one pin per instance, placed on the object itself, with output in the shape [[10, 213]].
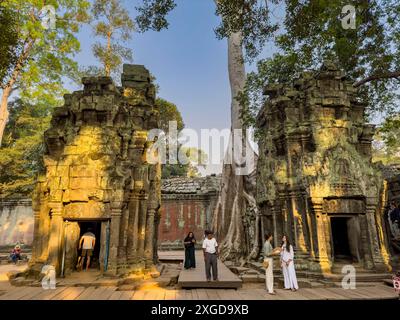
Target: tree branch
[[20, 62], [379, 76]]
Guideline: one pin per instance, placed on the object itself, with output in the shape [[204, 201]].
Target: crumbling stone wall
[[314, 165], [97, 170], [187, 205]]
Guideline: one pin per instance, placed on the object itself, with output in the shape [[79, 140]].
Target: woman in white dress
[[287, 263]]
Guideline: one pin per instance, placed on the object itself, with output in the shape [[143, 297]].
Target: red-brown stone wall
[[180, 216]]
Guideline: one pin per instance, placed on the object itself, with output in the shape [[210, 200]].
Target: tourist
[[16, 254], [210, 249], [394, 219], [189, 242], [268, 253], [287, 263], [86, 243]]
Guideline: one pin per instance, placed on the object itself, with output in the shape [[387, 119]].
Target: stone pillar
[[142, 230], [322, 253], [298, 224], [149, 237], [36, 245], [310, 228], [56, 235], [367, 257], [156, 227], [114, 238], [373, 236], [133, 228], [275, 212]]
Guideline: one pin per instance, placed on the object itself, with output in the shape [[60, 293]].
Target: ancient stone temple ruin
[[316, 182], [187, 205], [98, 175]]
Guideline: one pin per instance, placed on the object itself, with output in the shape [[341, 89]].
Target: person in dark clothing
[[16, 254], [394, 220], [395, 213], [189, 242]]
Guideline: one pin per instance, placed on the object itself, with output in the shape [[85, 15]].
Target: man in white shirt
[[86, 243], [210, 249]]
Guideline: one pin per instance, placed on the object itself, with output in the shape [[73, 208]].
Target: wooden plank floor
[[196, 278], [378, 292]]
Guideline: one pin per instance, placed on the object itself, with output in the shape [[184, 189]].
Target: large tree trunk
[[234, 201], [8, 88], [4, 110]]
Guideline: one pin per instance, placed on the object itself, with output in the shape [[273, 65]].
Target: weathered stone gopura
[[316, 182], [98, 172]]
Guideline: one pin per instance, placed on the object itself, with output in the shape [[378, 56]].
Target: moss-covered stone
[[96, 169], [315, 165]]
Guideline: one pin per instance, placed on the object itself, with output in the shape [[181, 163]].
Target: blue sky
[[189, 63]]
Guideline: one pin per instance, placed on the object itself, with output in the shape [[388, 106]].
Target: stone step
[[238, 270], [358, 284], [252, 278], [302, 282]]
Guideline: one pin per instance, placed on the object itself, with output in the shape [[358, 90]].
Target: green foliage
[[313, 32], [114, 25], [9, 42], [194, 157], [21, 154], [387, 141], [250, 17], [169, 112], [174, 170], [49, 52], [44, 63], [152, 14]]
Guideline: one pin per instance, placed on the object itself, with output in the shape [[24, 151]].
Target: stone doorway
[[74, 231], [95, 227], [341, 251]]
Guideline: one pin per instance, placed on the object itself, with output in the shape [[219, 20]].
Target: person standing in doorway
[[210, 249], [268, 253], [189, 242], [287, 263], [86, 243]]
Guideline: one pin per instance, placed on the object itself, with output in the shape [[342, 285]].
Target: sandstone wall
[[16, 222], [187, 205]]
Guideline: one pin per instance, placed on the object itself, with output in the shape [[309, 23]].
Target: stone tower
[[316, 182], [98, 175]]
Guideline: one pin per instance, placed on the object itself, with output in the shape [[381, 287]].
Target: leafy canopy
[[9, 42], [115, 26], [312, 32], [46, 54], [21, 154]]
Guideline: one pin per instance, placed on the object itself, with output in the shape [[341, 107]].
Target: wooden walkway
[[196, 278], [67, 292], [380, 292]]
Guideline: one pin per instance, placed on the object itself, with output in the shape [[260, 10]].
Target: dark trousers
[[211, 262], [190, 260], [15, 257]]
